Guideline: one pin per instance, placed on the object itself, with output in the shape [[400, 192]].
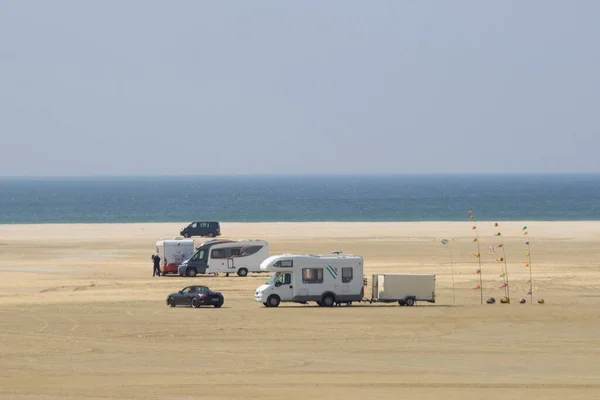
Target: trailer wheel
[[401, 302], [273, 300], [410, 302], [328, 300], [191, 272], [319, 304], [242, 272]]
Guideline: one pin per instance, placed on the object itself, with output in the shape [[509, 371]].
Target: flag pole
[[444, 241], [478, 255], [505, 272], [529, 265]]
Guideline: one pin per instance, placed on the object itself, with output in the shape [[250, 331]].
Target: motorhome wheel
[[242, 272], [191, 272], [410, 302], [328, 300], [273, 300]]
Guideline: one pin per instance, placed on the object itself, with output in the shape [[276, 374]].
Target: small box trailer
[[406, 289]]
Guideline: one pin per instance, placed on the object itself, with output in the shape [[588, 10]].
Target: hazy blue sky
[[227, 87]]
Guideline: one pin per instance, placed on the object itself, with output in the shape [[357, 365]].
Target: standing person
[[156, 270]]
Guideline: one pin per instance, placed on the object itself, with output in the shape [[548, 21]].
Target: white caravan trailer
[[227, 256], [326, 279], [173, 252], [403, 288]]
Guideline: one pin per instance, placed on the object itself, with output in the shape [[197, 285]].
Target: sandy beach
[[81, 317]]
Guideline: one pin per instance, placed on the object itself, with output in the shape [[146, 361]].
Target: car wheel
[[328, 300], [170, 302], [273, 300], [242, 272], [191, 272], [186, 235], [220, 303], [410, 302], [195, 302], [210, 234]]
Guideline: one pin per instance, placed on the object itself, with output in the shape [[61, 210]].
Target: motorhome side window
[[346, 274], [218, 253], [285, 279], [312, 275], [248, 251], [235, 251], [284, 264]]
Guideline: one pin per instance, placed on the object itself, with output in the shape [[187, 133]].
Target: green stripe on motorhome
[[332, 272]]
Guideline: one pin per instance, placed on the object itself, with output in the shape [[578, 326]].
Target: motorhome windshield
[[199, 255], [273, 278]]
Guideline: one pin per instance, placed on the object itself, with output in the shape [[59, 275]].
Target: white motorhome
[[326, 279], [226, 256], [173, 252]]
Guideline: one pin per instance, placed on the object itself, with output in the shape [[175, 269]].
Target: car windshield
[[273, 278]]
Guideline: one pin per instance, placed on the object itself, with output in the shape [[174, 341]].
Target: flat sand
[[81, 317]]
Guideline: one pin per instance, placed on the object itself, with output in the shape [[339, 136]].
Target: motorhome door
[[233, 251], [283, 287]]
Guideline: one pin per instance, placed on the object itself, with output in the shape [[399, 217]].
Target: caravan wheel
[[410, 302]]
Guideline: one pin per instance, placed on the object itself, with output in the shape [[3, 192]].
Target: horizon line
[[332, 174]]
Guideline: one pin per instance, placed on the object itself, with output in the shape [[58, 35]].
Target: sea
[[564, 197]]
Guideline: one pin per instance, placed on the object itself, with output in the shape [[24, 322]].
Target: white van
[[173, 252], [326, 279], [227, 256]]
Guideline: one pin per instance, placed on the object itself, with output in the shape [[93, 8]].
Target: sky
[[298, 87]]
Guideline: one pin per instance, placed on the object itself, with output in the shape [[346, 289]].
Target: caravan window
[[218, 253], [312, 275], [347, 274]]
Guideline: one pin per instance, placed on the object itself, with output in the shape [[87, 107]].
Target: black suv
[[210, 229]]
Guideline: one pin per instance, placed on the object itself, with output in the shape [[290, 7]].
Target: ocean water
[[300, 198]]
